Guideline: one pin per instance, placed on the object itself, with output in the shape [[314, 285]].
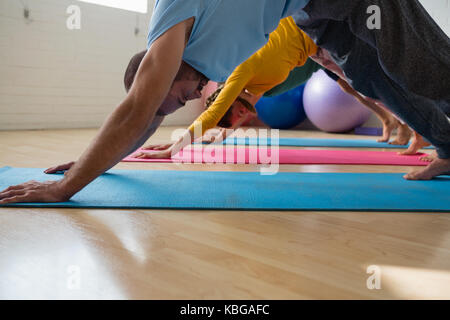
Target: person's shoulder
[[168, 13]]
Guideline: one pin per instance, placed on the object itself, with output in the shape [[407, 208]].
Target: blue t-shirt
[[225, 32]]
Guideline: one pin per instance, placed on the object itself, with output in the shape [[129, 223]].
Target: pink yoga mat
[[219, 154]]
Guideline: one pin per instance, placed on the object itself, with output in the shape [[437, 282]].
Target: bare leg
[[417, 144], [404, 134], [324, 58], [390, 123]]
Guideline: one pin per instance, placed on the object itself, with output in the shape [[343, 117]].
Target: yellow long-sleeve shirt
[[287, 48]]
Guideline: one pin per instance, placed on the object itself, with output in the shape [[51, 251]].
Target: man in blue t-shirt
[[189, 41]]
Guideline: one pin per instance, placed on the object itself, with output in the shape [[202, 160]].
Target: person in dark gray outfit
[[405, 64]]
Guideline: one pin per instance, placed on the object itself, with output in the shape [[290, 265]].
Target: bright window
[[131, 5]]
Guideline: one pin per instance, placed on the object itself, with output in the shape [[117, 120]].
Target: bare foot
[[429, 158], [417, 144], [388, 127], [404, 133], [435, 168]]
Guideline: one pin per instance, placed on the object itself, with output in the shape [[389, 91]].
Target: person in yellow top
[[233, 103], [287, 48]]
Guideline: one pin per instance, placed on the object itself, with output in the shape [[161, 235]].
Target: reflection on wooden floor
[[166, 254]]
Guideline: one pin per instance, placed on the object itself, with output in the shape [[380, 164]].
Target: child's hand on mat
[[163, 154], [60, 168], [208, 139], [217, 136], [158, 147], [34, 191]]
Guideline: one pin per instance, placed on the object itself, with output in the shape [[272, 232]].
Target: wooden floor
[[166, 254]]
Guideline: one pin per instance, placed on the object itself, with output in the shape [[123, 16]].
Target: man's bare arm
[[122, 130], [154, 126]]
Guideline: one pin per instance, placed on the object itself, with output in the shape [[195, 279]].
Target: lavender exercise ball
[[329, 108]]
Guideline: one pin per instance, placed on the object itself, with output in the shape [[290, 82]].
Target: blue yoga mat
[[306, 142], [248, 191]]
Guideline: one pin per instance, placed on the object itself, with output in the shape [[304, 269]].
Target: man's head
[[187, 84], [240, 111]]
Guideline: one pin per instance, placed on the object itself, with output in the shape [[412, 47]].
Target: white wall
[[440, 11], [52, 77]]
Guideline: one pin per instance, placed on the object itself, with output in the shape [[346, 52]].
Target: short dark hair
[[132, 69], [225, 121], [186, 72]]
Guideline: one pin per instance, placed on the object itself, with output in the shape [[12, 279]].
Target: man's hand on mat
[[60, 168], [158, 147], [33, 191], [163, 154]]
